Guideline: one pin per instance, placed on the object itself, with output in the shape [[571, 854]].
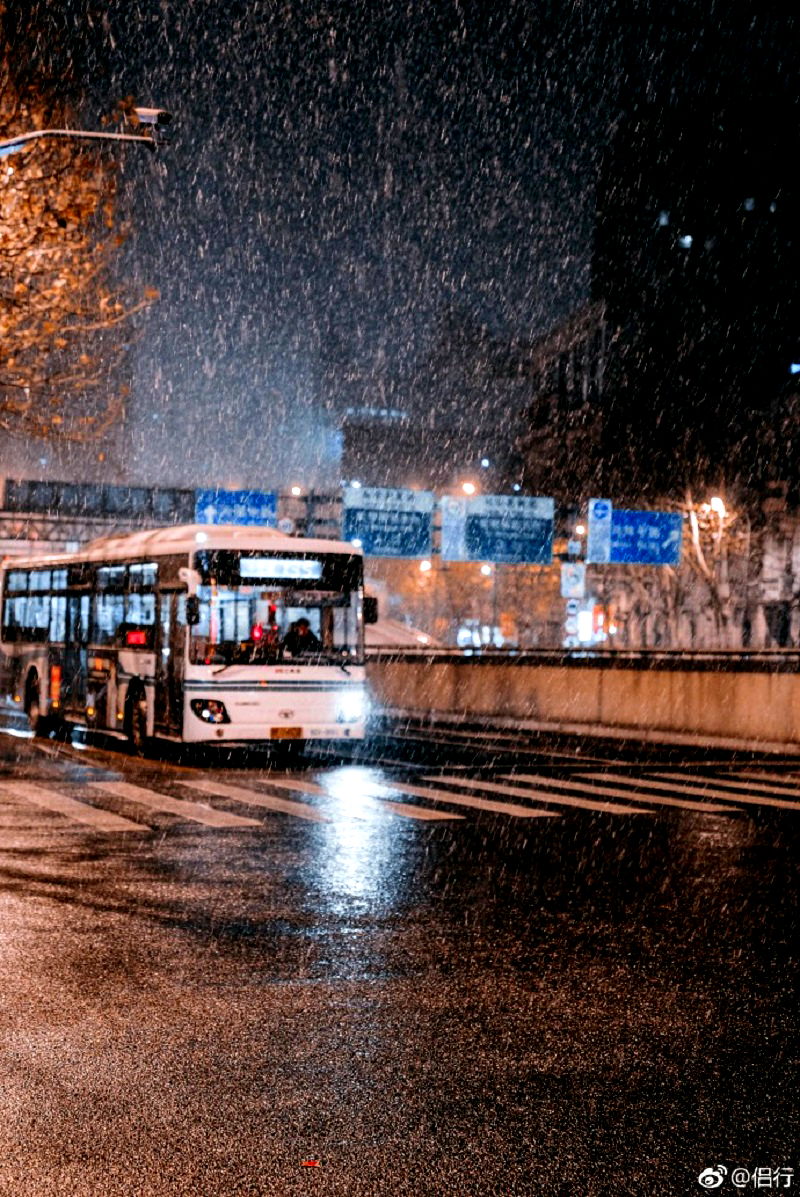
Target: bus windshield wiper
[[342, 664]]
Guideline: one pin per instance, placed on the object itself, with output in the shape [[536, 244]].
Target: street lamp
[[154, 119]]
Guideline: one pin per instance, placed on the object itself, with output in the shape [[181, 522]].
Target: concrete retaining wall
[[704, 700]]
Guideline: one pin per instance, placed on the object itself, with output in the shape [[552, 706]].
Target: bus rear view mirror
[[370, 609], [192, 610]]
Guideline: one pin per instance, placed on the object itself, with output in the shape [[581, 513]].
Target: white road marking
[[302, 810], [785, 781], [62, 804], [616, 792], [195, 812], [239, 794], [751, 798], [416, 812], [541, 796], [498, 808]]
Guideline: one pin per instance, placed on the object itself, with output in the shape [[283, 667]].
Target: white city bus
[[189, 634]]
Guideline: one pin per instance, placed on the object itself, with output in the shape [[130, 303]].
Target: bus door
[[170, 648], [74, 676]]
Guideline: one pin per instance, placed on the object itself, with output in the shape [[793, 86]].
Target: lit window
[[794, 368], [749, 204], [685, 241], [663, 219]]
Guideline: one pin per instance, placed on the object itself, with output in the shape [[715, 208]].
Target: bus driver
[[300, 639]]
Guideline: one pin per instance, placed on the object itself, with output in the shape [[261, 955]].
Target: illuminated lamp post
[[154, 119]]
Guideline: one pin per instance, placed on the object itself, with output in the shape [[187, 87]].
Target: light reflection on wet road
[[546, 989]]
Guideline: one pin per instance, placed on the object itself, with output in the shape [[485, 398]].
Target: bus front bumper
[[237, 732]]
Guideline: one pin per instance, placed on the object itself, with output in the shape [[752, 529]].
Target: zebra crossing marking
[[270, 802], [396, 807], [616, 792], [453, 799], [71, 808], [541, 796], [195, 812], [304, 810], [750, 798], [785, 782]]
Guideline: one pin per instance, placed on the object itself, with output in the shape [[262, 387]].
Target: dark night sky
[[340, 177]]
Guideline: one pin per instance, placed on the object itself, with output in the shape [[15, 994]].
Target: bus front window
[[248, 625]]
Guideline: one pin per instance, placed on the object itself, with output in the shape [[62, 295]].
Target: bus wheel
[[136, 723], [33, 704]]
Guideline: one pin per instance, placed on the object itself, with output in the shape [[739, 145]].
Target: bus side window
[[79, 609], [109, 603], [37, 617], [140, 609], [140, 600], [26, 606], [11, 618], [14, 603], [109, 613], [58, 619]]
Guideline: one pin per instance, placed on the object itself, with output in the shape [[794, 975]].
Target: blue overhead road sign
[[388, 521], [646, 537], [622, 537], [510, 529], [256, 507]]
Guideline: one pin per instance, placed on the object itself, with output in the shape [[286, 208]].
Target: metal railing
[[779, 660]]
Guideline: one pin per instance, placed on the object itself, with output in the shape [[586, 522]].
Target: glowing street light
[[468, 488], [425, 566]]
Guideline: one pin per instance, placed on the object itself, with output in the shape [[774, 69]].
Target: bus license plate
[[286, 733]]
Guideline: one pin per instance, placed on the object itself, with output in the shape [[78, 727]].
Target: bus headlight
[[351, 708], [210, 710]]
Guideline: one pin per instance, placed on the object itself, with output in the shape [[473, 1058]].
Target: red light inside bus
[[257, 632], [136, 638], [55, 685]]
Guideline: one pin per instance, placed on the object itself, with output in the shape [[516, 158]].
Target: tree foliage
[[64, 319]]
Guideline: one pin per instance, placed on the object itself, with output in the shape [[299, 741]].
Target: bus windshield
[[258, 608]]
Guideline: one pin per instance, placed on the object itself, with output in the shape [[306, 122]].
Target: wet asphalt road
[[579, 979]]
